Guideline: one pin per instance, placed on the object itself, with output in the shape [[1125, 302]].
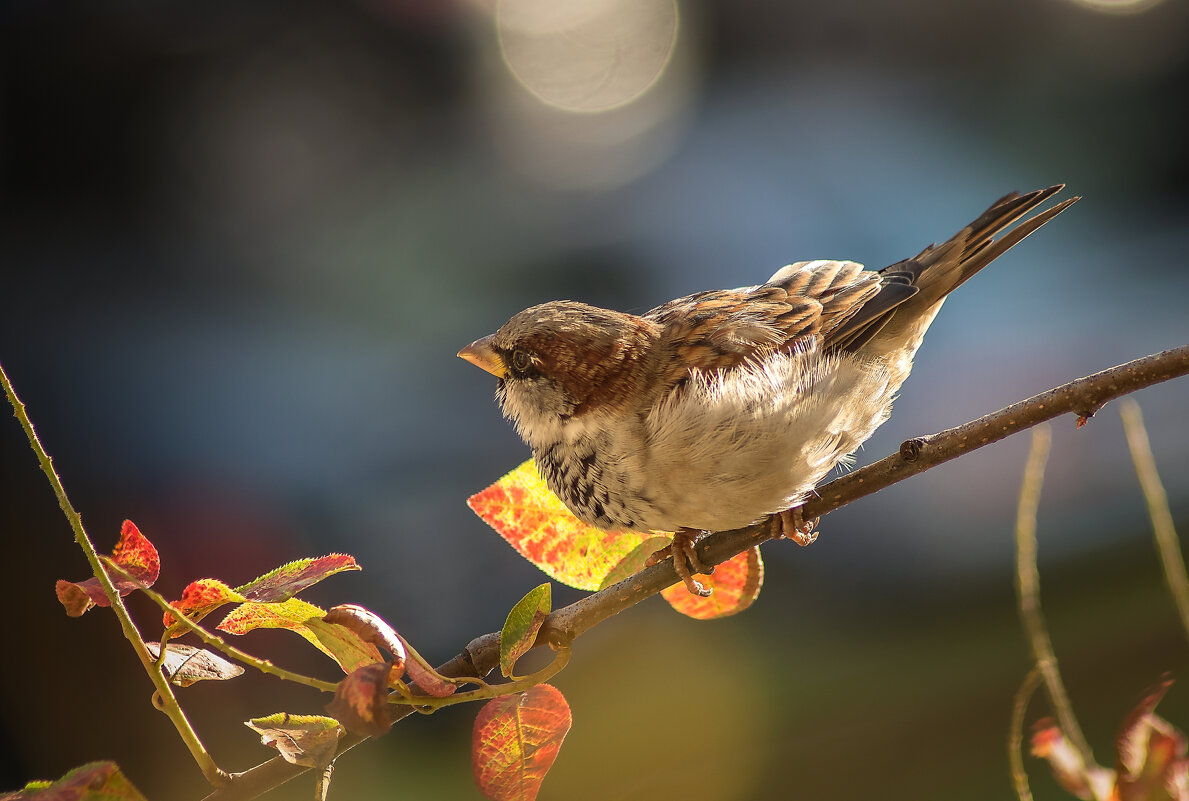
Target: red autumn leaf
[[1151, 754], [96, 781], [521, 626], [424, 675], [308, 740], [200, 598], [516, 740], [536, 523], [1069, 768], [370, 628], [361, 700], [736, 583], [134, 553], [185, 664], [339, 643], [288, 580]]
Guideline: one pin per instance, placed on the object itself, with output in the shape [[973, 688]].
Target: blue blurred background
[[241, 244]]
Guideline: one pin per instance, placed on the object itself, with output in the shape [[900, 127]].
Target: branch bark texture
[[1083, 397]]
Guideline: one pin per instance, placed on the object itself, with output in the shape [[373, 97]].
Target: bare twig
[[1015, 734], [167, 702], [1167, 544], [1083, 397], [1028, 591]]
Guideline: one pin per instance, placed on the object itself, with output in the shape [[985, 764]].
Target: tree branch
[[1082, 397]]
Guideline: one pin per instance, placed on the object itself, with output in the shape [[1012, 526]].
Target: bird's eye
[[521, 360]]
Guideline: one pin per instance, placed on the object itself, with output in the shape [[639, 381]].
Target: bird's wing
[[850, 295], [721, 329], [803, 303]]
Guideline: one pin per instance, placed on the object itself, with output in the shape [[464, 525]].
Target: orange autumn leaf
[[539, 526], [200, 598], [736, 583], [516, 739]]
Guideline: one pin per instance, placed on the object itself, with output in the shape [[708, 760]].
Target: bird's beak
[[482, 355]]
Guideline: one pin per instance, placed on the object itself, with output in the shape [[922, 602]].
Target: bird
[[718, 409]]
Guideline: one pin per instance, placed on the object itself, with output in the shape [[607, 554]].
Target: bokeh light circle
[[587, 56]]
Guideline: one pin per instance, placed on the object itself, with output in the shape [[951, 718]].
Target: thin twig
[[1167, 544], [1015, 734], [1083, 397], [1028, 591], [167, 701]]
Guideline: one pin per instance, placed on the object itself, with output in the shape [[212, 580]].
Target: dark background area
[[240, 245]]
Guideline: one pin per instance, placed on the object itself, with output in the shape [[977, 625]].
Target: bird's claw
[[685, 561], [790, 525]]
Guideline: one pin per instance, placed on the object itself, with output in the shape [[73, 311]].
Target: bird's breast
[[596, 483]]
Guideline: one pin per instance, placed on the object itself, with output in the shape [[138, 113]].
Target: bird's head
[[561, 361]]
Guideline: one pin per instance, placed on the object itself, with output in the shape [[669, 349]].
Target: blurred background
[[241, 243]]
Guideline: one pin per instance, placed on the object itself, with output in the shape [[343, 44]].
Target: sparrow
[[715, 410]]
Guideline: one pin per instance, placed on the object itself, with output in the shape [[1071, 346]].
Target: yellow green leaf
[[338, 642], [523, 623]]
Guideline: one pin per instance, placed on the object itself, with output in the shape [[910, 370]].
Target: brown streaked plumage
[[716, 409]]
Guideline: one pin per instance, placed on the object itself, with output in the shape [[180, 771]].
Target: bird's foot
[[685, 560], [790, 525]]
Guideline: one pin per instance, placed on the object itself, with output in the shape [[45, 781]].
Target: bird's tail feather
[[943, 268], [913, 288]]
